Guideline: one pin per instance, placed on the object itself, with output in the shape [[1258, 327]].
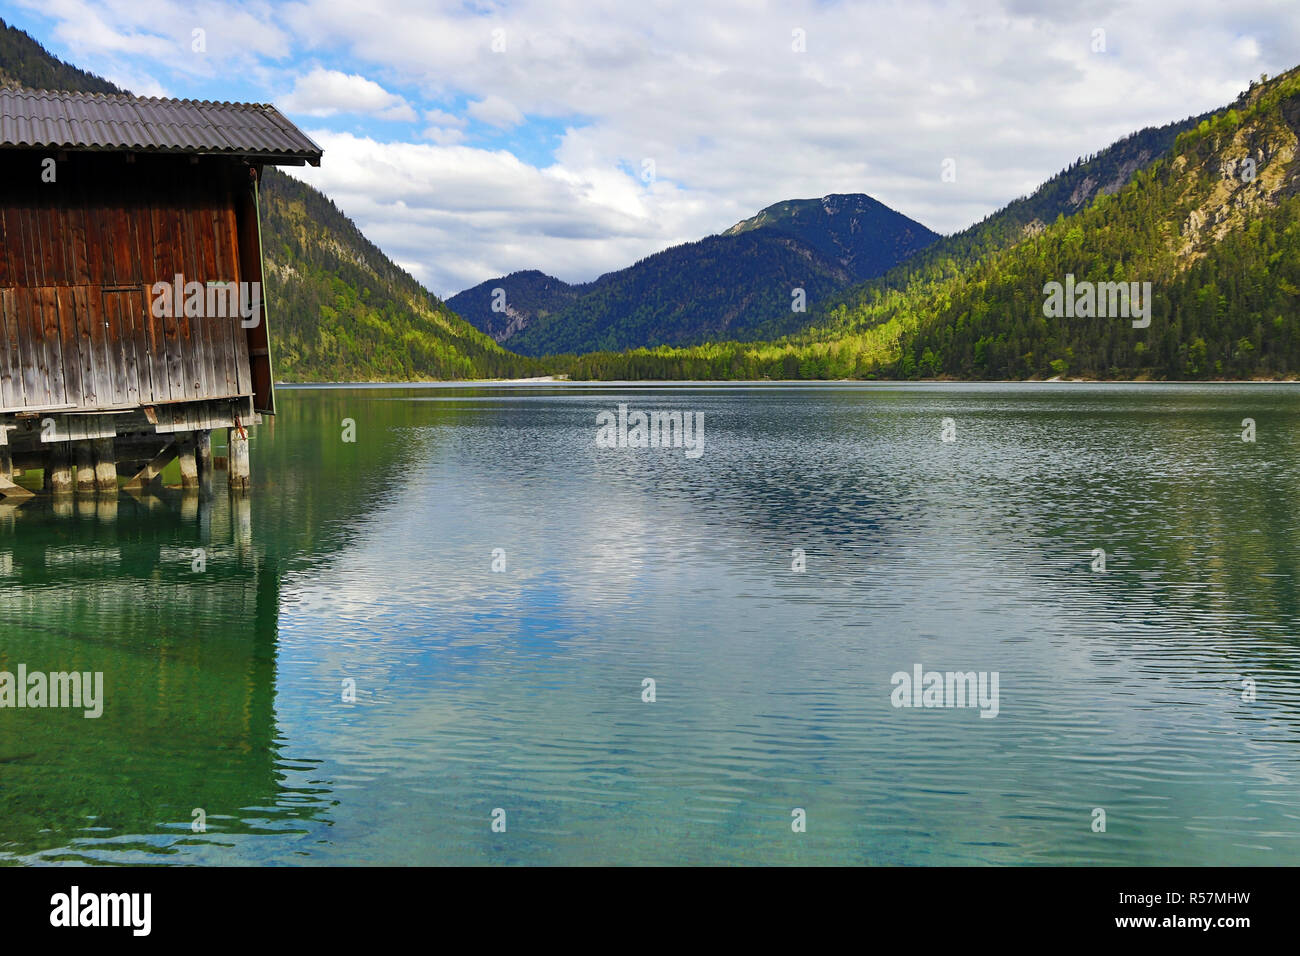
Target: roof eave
[[280, 159]]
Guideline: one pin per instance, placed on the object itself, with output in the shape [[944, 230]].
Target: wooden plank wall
[[78, 258]]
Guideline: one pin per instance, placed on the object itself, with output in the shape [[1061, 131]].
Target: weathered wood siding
[[78, 258]]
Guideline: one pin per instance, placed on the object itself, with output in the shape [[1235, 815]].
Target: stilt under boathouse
[[132, 319]]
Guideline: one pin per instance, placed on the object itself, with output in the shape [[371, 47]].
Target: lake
[[394, 643]]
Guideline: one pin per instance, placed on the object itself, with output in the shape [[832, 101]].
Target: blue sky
[[472, 139]]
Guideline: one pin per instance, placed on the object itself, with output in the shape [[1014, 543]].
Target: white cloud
[[329, 92], [445, 129], [132, 38], [444, 135], [443, 118], [495, 111], [476, 206]]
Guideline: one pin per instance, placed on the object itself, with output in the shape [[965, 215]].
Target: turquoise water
[[521, 689]]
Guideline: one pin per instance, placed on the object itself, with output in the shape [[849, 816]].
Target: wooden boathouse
[[132, 321]]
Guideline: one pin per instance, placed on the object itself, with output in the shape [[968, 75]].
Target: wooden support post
[[85, 455], [239, 469], [58, 469], [187, 453], [153, 471], [105, 466], [203, 444]]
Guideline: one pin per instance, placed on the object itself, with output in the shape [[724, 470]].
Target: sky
[[473, 139]]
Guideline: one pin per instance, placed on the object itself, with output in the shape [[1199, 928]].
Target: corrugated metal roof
[[100, 121]]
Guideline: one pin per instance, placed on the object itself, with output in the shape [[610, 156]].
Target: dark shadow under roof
[[100, 121]]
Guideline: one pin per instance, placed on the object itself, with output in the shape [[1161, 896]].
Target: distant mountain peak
[[505, 306], [792, 210]]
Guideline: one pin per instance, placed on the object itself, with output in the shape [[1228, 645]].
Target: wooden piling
[[58, 469], [239, 467], [84, 453], [203, 446], [187, 456], [105, 466]]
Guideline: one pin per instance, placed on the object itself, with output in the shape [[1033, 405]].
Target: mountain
[[525, 297], [739, 283], [340, 310], [864, 236], [1206, 210]]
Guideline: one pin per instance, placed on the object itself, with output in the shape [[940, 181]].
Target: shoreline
[[565, 380]]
